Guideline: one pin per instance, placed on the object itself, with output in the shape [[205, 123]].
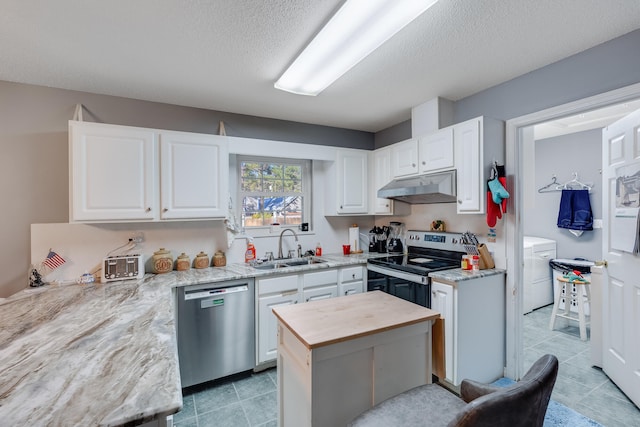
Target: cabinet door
[[352, 182], [468, 158], [436, 151], [351, 288], [442, 302], [268, 323], [194, 175], [113, 173], [381, 177], [324, 292], [404, 158]]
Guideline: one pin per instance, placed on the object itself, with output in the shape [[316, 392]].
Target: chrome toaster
[[122, 267]]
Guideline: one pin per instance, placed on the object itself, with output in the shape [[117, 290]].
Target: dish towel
[[575, 211]]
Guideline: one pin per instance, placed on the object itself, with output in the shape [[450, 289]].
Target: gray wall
[[561, 156], [34, 161], [611, 65]]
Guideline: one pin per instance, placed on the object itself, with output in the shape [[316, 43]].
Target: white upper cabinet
[[468, 164], [122, 173], [349, 173], [194, 175], [477, 143], [404, 158], [381, 176], [436, 151], [113, 173]]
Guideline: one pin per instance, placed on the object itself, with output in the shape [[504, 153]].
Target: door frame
[[513, 227]]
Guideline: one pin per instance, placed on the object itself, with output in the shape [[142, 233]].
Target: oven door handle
[[415, 278]]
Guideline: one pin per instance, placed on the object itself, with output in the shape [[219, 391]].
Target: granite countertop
[[88, 355], [324, 322], [103, 354], [242, 271], [458, 275]]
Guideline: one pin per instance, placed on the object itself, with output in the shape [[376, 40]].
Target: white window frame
[[307, 184]]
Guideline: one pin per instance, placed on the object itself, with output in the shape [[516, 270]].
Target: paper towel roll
[[354, 238]]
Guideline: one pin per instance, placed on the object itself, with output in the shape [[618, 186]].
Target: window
[[274, 190]]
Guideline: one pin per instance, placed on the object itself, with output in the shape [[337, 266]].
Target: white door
[[621, 284]]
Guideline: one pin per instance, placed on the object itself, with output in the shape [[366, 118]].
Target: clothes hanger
[[567, 185], [548, 188]]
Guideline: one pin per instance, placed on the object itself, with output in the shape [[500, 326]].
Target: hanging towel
[[575, 211]]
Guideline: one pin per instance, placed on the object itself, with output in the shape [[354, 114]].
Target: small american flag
[[53, 260]]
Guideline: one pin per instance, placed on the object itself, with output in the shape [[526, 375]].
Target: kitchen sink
[[288, 262]]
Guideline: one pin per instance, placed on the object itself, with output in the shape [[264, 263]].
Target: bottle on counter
[[318, 249], [475, 263], [201, 261], [250, 254], [183, 262], [162, 261]]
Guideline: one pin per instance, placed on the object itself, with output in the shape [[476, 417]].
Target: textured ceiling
[[226, 54]]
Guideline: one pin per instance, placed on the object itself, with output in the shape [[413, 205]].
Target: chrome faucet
[[280, 256]]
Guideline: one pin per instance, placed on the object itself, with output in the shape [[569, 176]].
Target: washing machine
[[538, 277], [563, 265]]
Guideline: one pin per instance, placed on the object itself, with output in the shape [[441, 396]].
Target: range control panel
[[435, 239]]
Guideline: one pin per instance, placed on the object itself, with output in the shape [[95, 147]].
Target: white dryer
[[538, 277]]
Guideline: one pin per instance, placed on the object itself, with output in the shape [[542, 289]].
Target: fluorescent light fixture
[[357, 29]]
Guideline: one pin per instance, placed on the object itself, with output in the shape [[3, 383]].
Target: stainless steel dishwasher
[[215, 324]]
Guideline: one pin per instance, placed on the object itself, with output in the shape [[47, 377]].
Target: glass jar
[[162, 261], [183, 263], [219, 259], [201, 261]]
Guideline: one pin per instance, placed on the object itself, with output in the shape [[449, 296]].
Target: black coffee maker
[[395, 241]]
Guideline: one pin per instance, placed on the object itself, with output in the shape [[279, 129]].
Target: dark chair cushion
[[522, 404]]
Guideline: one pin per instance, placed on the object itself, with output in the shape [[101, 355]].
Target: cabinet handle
[[353, 275], [165, 210], [387, 205], [413, 165], [424, 163], [459, 201], [148, 210]]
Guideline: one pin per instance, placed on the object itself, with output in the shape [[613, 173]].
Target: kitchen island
[[339, 357]]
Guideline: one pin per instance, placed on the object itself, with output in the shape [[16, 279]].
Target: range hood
[[422, 189]]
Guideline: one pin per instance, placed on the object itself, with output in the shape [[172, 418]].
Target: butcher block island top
[[339, 357], [325, 322]]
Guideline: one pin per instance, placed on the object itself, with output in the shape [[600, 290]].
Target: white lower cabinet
[[319, 285], [272, 292], [297, 288], [474, 327], [352, 280]]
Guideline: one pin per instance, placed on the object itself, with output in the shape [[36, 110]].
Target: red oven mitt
[[493, 210]]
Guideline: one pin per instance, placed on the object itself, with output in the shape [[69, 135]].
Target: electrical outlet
[[137, 237]]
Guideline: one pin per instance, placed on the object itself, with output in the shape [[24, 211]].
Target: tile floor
[[250, 400], [579, 386]]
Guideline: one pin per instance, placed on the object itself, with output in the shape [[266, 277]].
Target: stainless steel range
[[406, 276]]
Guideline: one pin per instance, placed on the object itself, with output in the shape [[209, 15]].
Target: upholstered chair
[[522, 404]]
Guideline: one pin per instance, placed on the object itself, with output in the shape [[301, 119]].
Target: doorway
[[518, 131]]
